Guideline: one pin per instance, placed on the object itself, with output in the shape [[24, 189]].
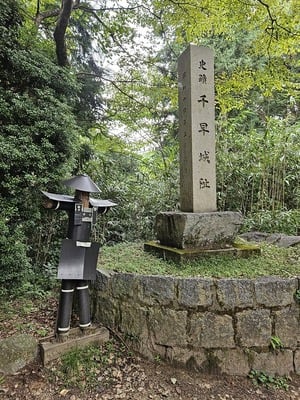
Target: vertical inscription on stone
[[197, 130]]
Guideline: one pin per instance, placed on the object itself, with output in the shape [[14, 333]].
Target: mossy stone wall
[[212, 325]]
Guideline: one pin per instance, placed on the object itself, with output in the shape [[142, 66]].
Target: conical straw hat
[[82, 182]]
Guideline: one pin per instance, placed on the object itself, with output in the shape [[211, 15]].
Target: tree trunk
[[60, 32]]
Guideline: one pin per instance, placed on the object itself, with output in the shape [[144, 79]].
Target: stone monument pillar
[[197, 130], [198, 228]]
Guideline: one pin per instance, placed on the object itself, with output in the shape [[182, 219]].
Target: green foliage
[[15, 265], [37, 145], [297, 296], [141, 185], [258, 170], [284, 221], [269, 381], [130, 257], [276, 343], [157, 358], [273, 32]]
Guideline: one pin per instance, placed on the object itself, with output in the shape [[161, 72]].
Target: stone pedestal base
[[198, 231], [184, 255]]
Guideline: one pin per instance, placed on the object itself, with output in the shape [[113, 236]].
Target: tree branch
[[273, 20], [114, 83], [40, 16]]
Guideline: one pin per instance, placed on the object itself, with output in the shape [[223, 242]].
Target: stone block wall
[[212, 325]]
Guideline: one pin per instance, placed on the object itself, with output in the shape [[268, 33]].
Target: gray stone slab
[[254, 328], [182, 230], [232, 362], [274, 292], [278, 239], [280, 363], [16, 352], [195, 292], [154, 289], [210, 330], [235, 293], [107, 311], [103, 279], [287, 326], [168, 327], [188, 357], [281, 240], [133, 321], [124, 285]]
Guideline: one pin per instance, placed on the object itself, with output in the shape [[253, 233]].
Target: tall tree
[[37, 142]]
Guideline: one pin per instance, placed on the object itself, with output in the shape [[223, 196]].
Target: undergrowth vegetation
[[90, 367], [269, 381]]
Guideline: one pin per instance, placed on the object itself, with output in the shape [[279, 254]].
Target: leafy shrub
[[283, 221]]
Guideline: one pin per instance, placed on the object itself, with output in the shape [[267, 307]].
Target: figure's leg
[[65, 307], [84, 304]]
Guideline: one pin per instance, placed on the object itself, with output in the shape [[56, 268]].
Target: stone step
[[52, 348]]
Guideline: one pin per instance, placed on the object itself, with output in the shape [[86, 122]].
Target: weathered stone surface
[[274, 363], [195, 292], [197, 230], [103, 278], [278, 239], [254, 328], [254, 236], [287, 326], [16, 352], [297, 361], [210, 330], [133, 321], [274, 292], [281, 240], [124, 285], [156, 289], [235, 293], [232, 362], [181, 355], [183, 320], [107, 312], [198, 361], [168, 327]]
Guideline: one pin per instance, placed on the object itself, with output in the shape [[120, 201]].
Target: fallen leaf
[[174, 381], [64, 392]]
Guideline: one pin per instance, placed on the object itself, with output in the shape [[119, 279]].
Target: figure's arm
[[51, 204], [53, 201]]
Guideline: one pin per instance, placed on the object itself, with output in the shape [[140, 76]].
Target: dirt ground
[[123, 375]]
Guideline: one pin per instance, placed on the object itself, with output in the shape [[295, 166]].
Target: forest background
[[91, 86]]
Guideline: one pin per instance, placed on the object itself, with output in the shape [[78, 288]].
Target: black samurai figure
[[78, 258]]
